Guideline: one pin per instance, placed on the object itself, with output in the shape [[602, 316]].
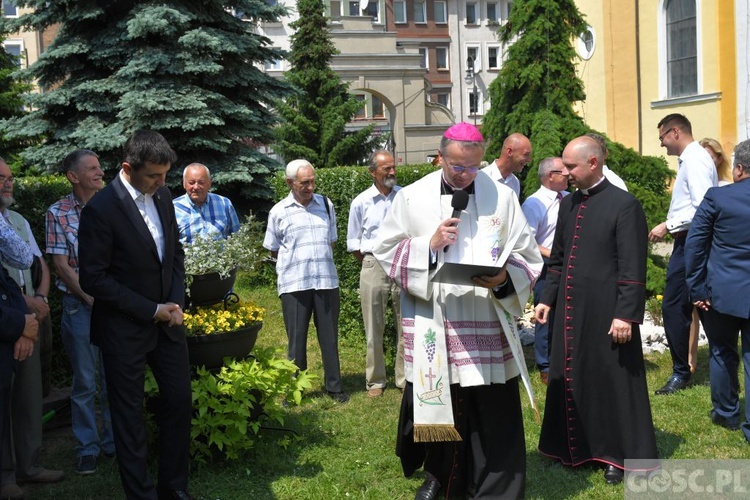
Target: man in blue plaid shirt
[[200, 213]]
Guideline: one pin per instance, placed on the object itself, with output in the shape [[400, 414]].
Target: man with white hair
[[200, 213], [300, 235]]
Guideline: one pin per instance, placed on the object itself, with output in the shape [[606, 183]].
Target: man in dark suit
[[717, 265], [131, 262]]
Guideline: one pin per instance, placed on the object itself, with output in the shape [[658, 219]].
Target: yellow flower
[[660, 297], [217, 319]]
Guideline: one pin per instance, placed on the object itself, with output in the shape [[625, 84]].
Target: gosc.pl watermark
[[709, 479]]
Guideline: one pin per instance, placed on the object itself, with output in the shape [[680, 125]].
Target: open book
[[457, 273]]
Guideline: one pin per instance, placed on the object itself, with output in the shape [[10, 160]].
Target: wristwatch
[[43, 297]]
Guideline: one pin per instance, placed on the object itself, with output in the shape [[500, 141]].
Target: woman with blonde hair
[[724, 171], [723, 167]]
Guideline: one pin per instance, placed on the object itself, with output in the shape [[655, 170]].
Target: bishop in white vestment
[[461, 413]]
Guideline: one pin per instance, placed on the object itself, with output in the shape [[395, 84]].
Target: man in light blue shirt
[[366, 213], [200, 213], [696, 173]]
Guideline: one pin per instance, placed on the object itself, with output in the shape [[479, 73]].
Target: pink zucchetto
[[464, 132]]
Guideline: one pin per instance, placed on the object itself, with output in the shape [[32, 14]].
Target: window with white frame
[[420, 12], [494, 57], [509, 7], [441, 57], [9, 9], [443, 98], [274, 65], [475, 102], [493, 13], [472, 51], [424, 61], [399, 12], [441, 13], [472, 13], [15, 49], [586, 43], [682, 48], [334, 10]]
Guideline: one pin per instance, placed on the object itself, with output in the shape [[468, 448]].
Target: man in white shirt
[[541, 210], [300, 234], [514, 157], [365, 216], [695, 174], [610, 174]]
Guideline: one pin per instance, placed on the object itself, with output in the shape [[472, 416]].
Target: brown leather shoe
[[545, 377], [375, 393]]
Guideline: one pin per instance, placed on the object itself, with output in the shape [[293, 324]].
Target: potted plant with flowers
[[211, 265], [217, 323], [228, 329]]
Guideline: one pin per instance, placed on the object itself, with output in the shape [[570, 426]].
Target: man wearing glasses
[[514, 157], [696, 173], [541, 210], [461, 411]]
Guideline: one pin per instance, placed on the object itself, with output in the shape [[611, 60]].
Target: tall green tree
[[316, 116], [12, 90], [188, 69], [534, 92]]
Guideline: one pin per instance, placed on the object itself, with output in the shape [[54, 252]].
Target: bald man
[[514, 157], [597, 407], [200, 213]]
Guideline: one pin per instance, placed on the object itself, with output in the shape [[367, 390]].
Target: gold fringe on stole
[[433, 433]]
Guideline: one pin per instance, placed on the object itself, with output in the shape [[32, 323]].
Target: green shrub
[[33, 197], [342, 185], [230, 406]]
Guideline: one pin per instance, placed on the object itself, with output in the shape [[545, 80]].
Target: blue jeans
[[85, 361], [542, 332]]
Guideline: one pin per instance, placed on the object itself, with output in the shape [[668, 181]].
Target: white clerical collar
[[586, 191]]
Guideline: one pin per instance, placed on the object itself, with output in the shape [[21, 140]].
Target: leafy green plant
[[240, 250], [230, 406]]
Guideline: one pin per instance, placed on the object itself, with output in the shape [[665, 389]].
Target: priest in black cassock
[[597, 405]]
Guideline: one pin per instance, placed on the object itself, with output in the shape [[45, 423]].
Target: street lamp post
[[472, 77]]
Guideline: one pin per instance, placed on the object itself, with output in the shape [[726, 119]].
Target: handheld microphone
[[459, 203]]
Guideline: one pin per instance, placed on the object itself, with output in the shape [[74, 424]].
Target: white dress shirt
[[541, 209], [511, 181], [366, 213], [147, 208], [696, 173]]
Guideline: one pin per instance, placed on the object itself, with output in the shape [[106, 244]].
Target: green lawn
[[346, 451]]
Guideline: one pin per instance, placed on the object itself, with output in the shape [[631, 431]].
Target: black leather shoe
[[429, 490], [339, 397], [722, 421], [613, 475], [174, 495], [673, 385]]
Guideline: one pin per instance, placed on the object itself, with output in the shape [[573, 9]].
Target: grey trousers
[[323, 306]]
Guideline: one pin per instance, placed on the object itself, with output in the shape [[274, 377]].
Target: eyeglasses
[[458, 168], [661, 137], [556, 172], [6, 180]]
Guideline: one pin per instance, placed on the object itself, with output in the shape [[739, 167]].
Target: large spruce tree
[[12, 90], [187, 69], [316, 116], [537, 85]]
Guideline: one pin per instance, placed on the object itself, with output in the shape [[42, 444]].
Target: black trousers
[[490, 462], [125, 378]]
